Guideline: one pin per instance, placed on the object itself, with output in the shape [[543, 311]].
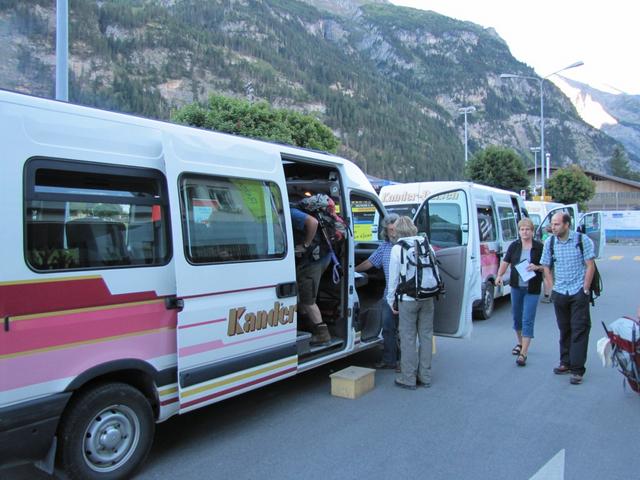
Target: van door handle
[[173, 303], [285, 290]]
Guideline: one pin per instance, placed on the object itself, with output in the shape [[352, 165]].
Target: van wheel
[[486, 306], [107, 433]]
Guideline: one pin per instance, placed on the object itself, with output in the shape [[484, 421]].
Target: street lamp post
[[62, 50], [535, 151], [465, 111], [540, 81]]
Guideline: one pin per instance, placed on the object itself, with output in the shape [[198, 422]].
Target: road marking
[[616, 257], [553, 469]]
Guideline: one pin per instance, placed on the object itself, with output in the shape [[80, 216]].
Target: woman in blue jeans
[[525, 282]]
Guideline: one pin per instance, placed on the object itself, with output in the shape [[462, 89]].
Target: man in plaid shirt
[[568, 274]]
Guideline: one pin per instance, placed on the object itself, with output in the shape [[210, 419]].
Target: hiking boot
[[404, 385], [561, 370], [320, 334], [382, 365], [575, 379]]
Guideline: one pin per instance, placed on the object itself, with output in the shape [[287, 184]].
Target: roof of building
[[601, 176]]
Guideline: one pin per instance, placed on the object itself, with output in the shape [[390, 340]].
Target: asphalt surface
[[483, 418]]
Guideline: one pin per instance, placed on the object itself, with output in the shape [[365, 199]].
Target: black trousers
[[574, 323]]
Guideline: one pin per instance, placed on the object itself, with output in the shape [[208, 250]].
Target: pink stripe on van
[[215, 344], [86, 325], [41, 367]]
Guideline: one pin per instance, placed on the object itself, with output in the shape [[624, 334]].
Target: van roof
[[416, 192], [150, 145]]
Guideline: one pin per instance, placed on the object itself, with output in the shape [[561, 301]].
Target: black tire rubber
[[486, 307], [117, 412]]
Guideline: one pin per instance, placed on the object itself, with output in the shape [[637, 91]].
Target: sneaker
[[575, 379], [381, 365], [320, 334], [422, 384], [561, 370], [404, 385]]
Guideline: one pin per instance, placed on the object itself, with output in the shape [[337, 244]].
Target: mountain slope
[[388, 80], [616, 114]]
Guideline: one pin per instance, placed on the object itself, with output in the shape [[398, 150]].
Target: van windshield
[[403, 209]]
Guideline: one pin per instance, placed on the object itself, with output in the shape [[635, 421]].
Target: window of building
[[81, 215], [231, 220]]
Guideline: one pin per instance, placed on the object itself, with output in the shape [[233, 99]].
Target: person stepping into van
[[310, 265], [380, 259], [523, 256]]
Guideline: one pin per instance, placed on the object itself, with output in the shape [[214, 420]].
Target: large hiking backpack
[[596, 286], [323, 208], [419, 274], [332, 228], [624, 334]]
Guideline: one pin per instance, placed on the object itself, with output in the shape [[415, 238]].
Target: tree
[[619, 164], [571, 185], [498, 167], [258, 120]]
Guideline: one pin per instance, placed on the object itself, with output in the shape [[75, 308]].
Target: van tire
[[485, 309], [100, 421]]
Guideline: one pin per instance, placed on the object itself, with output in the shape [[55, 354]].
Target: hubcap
[[111, 438]]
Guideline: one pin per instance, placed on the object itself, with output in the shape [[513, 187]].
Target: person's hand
[[499, 281], [395, 312], [300, 248]]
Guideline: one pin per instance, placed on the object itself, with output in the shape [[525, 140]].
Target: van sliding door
[[235, 271]]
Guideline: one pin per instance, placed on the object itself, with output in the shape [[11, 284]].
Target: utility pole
[[62, 50], [465, 111]]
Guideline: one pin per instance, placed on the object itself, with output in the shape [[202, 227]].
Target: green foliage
[[498, 167], [258, 120], [571, 185], [619, 164]]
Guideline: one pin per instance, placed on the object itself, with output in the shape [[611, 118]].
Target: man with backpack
[[569, 267], [414, 281], [318, 233]]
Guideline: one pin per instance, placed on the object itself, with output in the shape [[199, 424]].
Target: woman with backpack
[[523, 255], [416, 315]]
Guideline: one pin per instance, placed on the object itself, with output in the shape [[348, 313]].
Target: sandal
[[516, 350], [521, 360]]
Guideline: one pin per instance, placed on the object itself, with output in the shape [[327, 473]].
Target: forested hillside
[[387, 80]]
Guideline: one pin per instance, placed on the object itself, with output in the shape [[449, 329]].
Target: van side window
[[231, 219], [80, 215], [366, 219], [446, 220], [486, 224], [508, 223]]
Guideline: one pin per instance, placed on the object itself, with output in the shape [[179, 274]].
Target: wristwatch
[[305, 244], [586, 291]]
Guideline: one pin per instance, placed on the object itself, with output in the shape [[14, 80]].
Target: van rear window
[[231, 219], [81, 216]]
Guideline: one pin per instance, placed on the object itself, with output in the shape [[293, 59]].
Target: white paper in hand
[[525, 274]]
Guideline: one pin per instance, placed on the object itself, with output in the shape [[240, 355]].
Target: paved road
[[484, 417]]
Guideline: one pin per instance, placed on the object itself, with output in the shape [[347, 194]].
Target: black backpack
[[425, 281], [596, 286]]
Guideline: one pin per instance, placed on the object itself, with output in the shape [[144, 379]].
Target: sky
[[549, 35]]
